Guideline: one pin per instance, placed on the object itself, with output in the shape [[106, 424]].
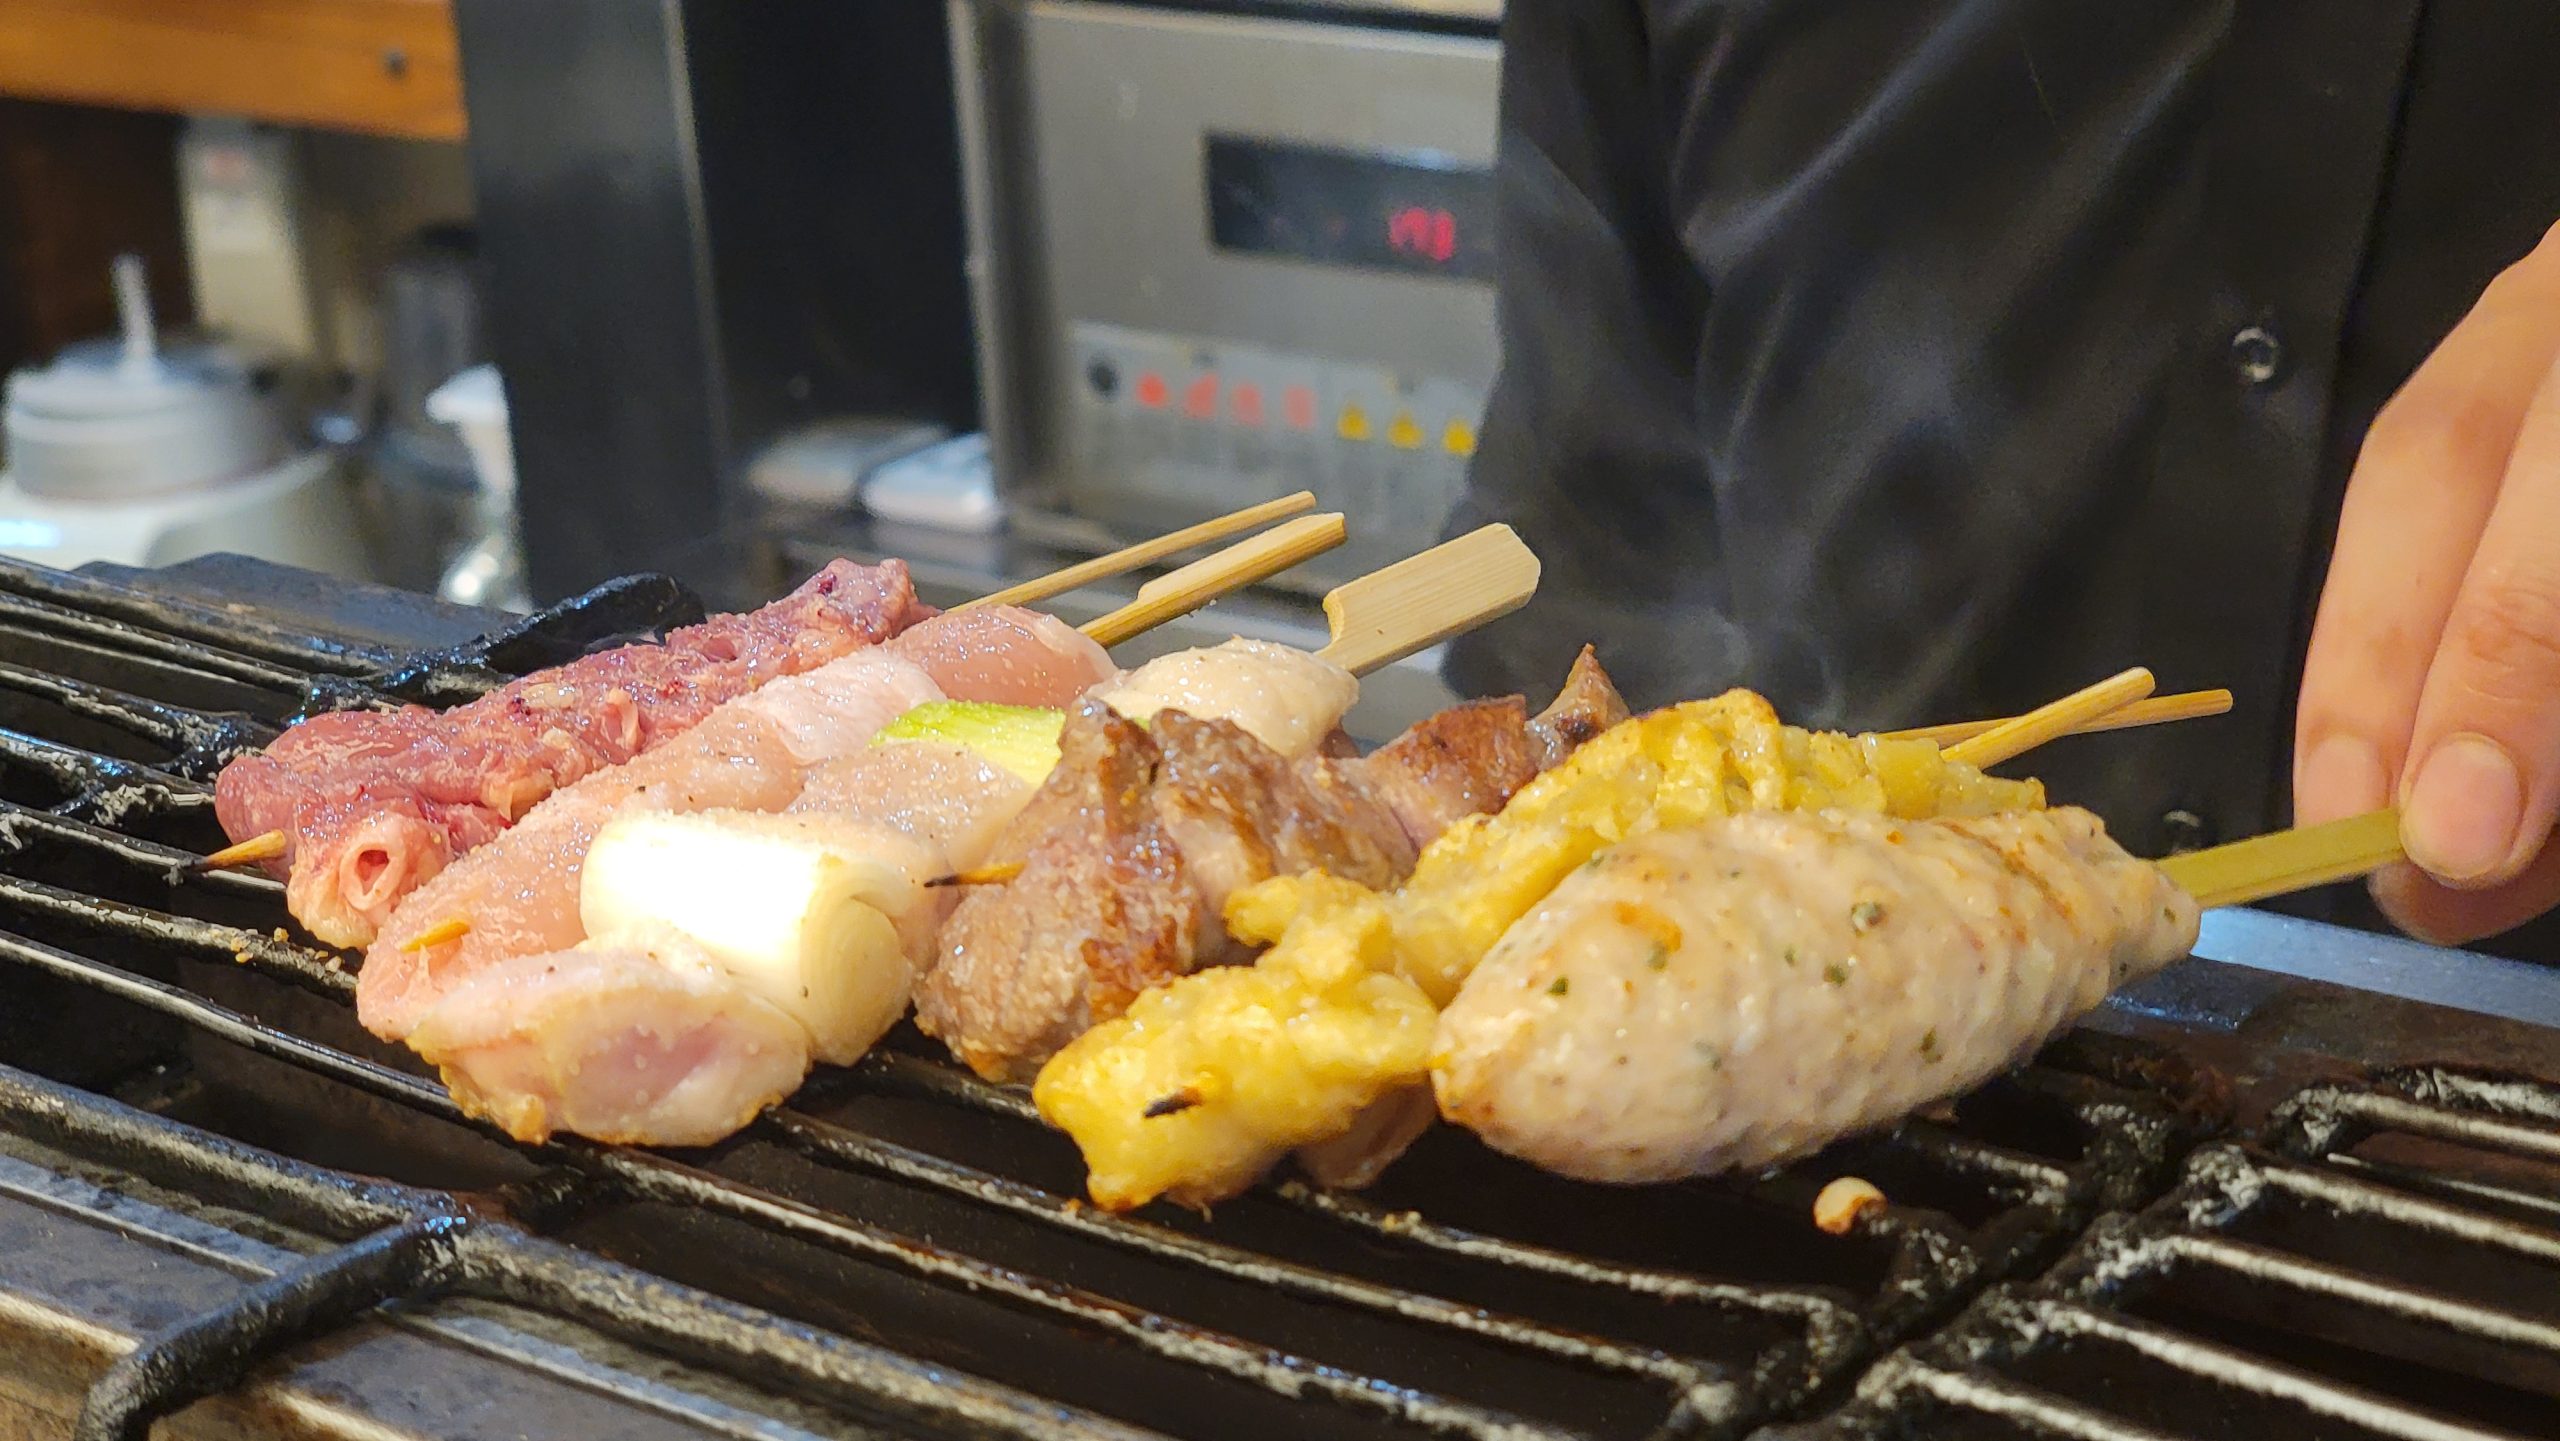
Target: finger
[[2419, 498], [2483, 783], [2433, 911]]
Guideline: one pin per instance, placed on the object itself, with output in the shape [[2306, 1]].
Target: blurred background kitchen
[[501, 299]]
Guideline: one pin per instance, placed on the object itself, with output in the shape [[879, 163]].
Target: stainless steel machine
[[1220, 253]]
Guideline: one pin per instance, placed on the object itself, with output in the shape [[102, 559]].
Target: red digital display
[[1424, 231], [1411, 212]]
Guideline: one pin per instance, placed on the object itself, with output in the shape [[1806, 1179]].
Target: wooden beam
[[385, 66]]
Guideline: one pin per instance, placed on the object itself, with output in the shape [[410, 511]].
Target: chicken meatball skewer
[[1744, 992]]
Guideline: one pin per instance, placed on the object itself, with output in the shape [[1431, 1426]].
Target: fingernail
[[2464, 809], [2341, 777]]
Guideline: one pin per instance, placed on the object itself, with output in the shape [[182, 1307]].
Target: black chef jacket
[[1913, 360]]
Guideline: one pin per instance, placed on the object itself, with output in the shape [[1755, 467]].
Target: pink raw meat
[[374, 804]]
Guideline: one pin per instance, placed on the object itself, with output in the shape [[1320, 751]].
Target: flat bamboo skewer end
[[2018, 735], [1424, 599], [265, 846], [2282, 862]]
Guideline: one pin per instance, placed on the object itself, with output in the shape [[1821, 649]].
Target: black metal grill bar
[[22, 825], [1828, 1321], [1825, 1317], [212, 1352], [2414, 1178], [229, 1025], [192, 737], [501, 1262], [80, 772], [2330, 1283], [2027, 1407], [2347, 1190], [2222, 1367], [646, 1176], [1700, 1380], [2334, 1118], [759, 1346], [649, 1177], [302, 1195], [313, 970], [56, 621], [125, 613]]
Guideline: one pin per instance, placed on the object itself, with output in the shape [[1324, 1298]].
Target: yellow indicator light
[[1459, 439], [1403, 433], [1354, 424]]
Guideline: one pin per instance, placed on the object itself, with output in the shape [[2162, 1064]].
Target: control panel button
[[1404, 432], [1152, 392], [1104, 377]]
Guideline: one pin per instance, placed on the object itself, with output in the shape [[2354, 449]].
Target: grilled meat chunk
[[1103, 906], [1746, 991], [1133, 863]]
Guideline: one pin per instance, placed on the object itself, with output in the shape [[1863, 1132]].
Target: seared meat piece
[[1240, 814], [1134, 845], [1746, 991], [1465, 761], [1103, 907]]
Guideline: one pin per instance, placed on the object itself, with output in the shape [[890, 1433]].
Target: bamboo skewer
[[1147, 552], [264, 846], [2159, 710], [2019, 734], [2280, 862], [1195, 585], [437, 935], [1423, 600]]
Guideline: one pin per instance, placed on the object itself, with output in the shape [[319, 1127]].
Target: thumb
[[2482, 783]]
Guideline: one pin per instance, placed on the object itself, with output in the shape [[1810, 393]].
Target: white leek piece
[[796, 908]]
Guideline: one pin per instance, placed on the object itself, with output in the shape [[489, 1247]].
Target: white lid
[[473, 397]]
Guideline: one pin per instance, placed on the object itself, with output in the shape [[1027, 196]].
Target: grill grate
[[903, 1243], [2382, 1259]]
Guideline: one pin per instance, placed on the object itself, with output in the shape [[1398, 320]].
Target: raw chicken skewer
[[356, 809]]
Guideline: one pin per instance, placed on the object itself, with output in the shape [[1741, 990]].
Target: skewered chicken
[[1132, 849], [1206, 1082], [519, 895], [1746, 991], [372, 804], [642, 1041]]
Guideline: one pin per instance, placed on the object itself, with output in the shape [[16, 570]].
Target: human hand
[[2434, 670]]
